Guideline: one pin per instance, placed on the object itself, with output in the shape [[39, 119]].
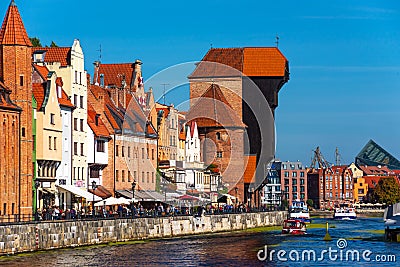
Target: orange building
[[16, 75], [360, 189]]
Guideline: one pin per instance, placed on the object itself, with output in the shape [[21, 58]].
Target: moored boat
[[299, 210], [294, 227], [345, 213]]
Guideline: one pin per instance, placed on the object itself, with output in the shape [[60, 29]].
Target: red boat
[[294, 227]]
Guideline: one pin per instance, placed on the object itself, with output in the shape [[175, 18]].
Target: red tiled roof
[[113, 73], [100, 130], [64, 100], [5, 101], [56, 54], [213, 110], [38, 90], [12, 30], [251, 61], [375, 170], [372, 181], [42, 70], [264, 61]]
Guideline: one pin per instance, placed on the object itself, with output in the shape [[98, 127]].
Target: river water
[[236, 249]]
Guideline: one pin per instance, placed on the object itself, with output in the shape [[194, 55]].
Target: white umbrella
[[111, 201]]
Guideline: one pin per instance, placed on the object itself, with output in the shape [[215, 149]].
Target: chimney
[[136, 82], [138, 64]]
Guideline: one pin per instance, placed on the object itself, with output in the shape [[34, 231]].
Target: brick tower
[[16, 74]]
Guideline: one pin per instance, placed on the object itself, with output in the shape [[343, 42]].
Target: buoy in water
[[327, 236]]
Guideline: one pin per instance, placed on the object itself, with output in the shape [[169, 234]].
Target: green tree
[[35, 41], [53, 44], [386, 191], [284, 204], [310, 202]]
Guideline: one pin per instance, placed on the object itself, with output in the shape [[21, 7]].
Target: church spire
[[12, 30]]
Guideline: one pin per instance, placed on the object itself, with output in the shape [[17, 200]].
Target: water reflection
[[227, 249]]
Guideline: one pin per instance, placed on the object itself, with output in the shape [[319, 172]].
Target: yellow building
[[49, 96], [360, 189]]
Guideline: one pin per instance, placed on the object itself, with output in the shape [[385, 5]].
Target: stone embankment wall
[[62, 234]]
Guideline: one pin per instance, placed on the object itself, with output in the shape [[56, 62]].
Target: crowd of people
[[138, 210]]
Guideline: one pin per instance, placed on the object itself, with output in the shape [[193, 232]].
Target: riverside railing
[[37, 218]]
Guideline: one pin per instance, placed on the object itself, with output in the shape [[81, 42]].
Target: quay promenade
[[45, 235]]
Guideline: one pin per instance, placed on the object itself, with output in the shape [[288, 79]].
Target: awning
[[101, 191], [142, 195], [111, 201], [80, 192]]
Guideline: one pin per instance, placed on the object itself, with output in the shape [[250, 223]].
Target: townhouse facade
[[117, 95], [49, 132], [68, 63]]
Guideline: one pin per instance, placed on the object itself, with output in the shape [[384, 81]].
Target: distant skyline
[[344, 57]]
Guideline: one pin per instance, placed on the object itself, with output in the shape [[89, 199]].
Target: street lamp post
[[94, 188], [133, 197], [251, 190], [37, 184], [236, 200]]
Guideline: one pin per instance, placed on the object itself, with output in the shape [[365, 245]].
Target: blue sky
[[344, 57]]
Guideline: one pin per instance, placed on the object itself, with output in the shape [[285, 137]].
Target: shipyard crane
[[319, 158]]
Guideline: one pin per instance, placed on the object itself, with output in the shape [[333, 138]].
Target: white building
[[272, 191], [98, 138], [63, 174], [192, 150]]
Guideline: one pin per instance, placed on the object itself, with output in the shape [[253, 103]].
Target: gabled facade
[[68, 63], [132, 149], [98, 138], [48, 137], [64, 171], [15, 75], [192, 143], [168, 132]]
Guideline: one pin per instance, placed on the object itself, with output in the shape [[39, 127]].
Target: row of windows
[[294, 181], [294, 174], [135, 152], [121, 176], [81, 102], [52, 143], [294, 188], [78, 76], [295, 196], [76, 124], [330, 195], [5, 209], [76, 148], [79, 173], [292, 166], [330, 186]]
